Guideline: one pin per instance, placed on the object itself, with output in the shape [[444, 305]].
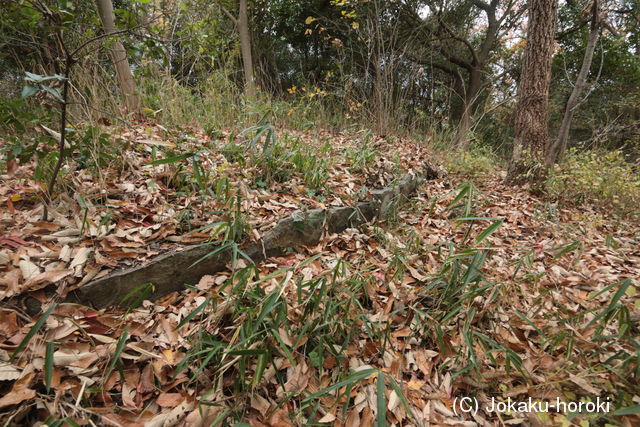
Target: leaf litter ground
[[487, 292]]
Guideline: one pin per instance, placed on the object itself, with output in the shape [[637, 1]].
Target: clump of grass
[[307, 109], [280, 158], [175, 105], [332, 308], [361, 158], [604, 179], [234, 152], [474, 163], [313, 167]]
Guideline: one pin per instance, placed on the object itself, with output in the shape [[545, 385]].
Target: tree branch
[[460, 39], [482, 5], [229, 14], [454, 59]]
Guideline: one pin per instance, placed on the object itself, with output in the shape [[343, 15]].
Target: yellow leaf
[[16, 197], [309, 20], [415, 384], [168, 355]]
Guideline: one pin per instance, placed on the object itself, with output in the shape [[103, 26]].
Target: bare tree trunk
[[532, 108], [469, 108], [461, 140], [560, 144], [456, 97], [119, 57], [245, 49]]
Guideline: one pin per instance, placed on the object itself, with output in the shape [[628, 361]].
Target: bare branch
[[460, 39], [482, 5], [229, 14]]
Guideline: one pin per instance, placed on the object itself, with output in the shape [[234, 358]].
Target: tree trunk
[[245, 49], [560, 144], [532, 108], [456, 99], [119, 57], [469, 108]]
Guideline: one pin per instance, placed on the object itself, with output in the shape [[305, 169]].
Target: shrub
[[601, 178], [475, 162]]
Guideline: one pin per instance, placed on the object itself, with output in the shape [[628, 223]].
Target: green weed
[[281, 158], [603, 179], [363, 156], [474, 163], [175, 105]]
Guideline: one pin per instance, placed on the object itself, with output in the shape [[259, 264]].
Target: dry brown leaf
[[585, 385], [280, 418], [353, 419], [367, 417], [260, 404], [297, 379], [172, 417], [328, 418], [20, 391], [117, 420], [28, 269], [169, 400], [8, 323], [47, 277], [206, 282], [147, 383], [14, 397], [285, 337], [8, 372], [128, 395], [11, 280]]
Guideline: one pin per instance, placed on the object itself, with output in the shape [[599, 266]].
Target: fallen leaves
[[389, 277], [20, 390], [8, 372], [51, 276], [169, 400]]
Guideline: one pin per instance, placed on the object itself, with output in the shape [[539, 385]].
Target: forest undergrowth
[[470, 289]]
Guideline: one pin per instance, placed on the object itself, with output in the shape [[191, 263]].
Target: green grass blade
[[140, 293], [34, 330], [630, 410], [48, 366], [224, 247], [122, 341], [403, 398], [381, 402], [194, 313], [353, 378], [488, 231]]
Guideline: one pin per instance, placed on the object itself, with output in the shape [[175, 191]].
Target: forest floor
[[467, 290]]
